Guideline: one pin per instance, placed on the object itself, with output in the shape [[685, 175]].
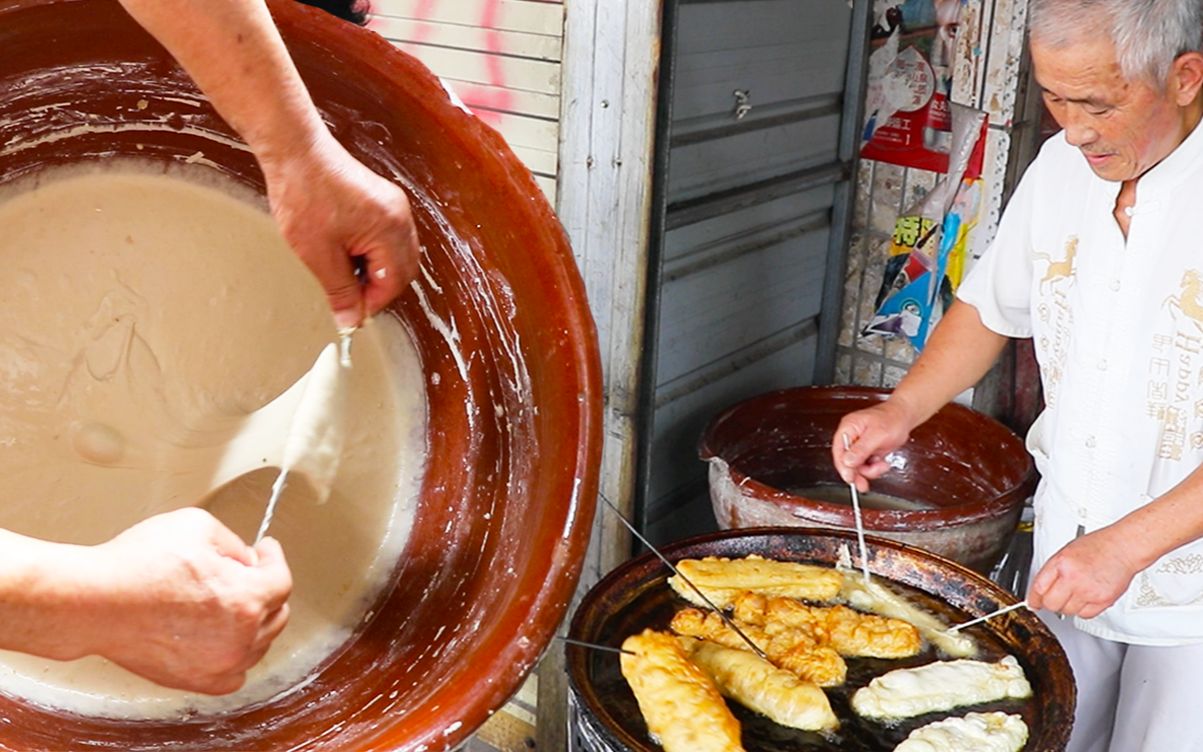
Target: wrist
[[46, 596], [279, 151], [909, 411], [1133, 543]]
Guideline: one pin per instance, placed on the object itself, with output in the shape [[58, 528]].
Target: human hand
[[1086, 576], [332, 210], [179, 599], [872, 434]]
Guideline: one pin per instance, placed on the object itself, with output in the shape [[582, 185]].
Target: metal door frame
[[841, 173]]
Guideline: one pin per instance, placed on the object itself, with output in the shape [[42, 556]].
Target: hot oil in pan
[[655, 607]]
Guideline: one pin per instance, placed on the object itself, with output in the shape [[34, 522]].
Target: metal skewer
[[726, 620], [991, 615], [860, 525], [277, 489], [594, 646]]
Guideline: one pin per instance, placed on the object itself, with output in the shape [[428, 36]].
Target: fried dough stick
[[851, 633], [721, 580], [789, 648], [757, 684], [680, 703]]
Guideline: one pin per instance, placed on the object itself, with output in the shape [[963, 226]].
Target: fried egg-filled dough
[[851, 633], [789, 648]]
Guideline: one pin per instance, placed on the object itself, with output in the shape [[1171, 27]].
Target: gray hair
[[1148, 34]]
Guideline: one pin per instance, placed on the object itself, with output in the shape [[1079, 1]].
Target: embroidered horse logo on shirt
[[1063, 269], [1190, 300]]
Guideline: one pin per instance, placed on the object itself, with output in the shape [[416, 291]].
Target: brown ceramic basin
[[957, 488], [499, 318]]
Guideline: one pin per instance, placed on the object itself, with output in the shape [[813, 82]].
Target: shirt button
[[1091, 443], [1114, 285]]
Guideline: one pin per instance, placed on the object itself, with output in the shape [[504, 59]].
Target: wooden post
[[608, 117]]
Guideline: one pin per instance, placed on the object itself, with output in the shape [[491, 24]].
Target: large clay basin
[[499, 318], [957, 488]]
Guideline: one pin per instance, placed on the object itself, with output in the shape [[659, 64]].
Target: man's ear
[[1186, 77]]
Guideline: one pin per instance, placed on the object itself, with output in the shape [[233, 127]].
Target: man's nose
[[1078, 129]]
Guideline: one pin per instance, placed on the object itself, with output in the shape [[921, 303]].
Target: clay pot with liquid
[[957, 487], [503, 331]]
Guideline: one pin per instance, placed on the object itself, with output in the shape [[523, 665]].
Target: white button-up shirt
[[1118, 331]]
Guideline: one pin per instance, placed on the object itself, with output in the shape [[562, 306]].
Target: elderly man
[[1096, 260]]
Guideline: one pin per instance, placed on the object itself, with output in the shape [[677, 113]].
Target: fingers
[[859, 448], [276, 576], [344, 293], [217, 685], [847, 433], [391, 265], [390, 262], [1040, 586], [272, 627]]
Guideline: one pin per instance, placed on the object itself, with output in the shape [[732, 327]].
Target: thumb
[[1041, 582], [270, 555], [227, 543]]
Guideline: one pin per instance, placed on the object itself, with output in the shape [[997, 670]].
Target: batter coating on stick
[[940, 686], [980, 732]]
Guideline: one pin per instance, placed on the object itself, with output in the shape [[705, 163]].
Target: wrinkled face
[[1122, 127]]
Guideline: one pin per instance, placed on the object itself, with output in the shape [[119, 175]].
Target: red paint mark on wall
[[485, 99]]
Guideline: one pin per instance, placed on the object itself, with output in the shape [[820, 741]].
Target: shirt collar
[[1156, 184]]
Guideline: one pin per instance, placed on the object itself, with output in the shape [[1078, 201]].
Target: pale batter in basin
[[142, 315]]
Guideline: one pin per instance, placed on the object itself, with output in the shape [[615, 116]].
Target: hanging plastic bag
[[927, 256]]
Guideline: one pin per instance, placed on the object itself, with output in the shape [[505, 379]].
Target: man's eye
[[1097, 110]]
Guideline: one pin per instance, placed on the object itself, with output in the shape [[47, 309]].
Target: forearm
[[232, 49], [959, 353], [1172, 520], [40, 600]]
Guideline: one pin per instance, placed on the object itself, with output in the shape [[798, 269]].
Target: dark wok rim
[[1056, 720]]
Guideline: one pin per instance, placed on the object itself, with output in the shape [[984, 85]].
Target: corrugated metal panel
[[754, 173], [503, 58]]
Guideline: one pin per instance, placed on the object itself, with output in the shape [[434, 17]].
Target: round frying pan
[[636, 596]]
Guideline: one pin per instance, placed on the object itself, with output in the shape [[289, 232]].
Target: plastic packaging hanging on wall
[[927, 257]]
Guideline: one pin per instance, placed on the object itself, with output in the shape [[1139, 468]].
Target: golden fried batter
[[721, 580], [851, 633], [789, 648], [680, 703], [757, 684], [874, 596]]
